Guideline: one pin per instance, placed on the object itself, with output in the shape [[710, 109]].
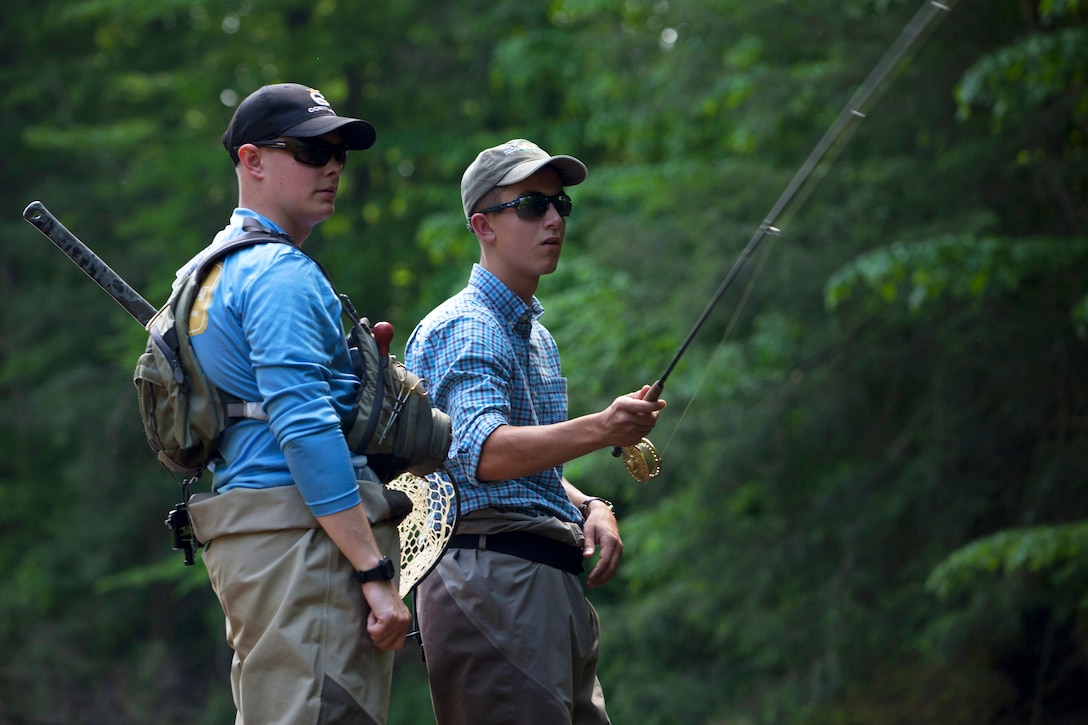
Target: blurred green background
[[873, 506]]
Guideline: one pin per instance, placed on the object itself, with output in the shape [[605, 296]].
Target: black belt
[[534, 547]]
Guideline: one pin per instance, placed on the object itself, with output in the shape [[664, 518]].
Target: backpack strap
[[251, 235], [238, 408]]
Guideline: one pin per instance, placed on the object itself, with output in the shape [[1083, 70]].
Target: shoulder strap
[[251, 234]]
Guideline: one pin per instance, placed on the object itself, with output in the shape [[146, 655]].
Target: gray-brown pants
[[295, 617], [509, 641]]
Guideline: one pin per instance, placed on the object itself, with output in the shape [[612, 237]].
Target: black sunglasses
[[534, 205], [309, 151]]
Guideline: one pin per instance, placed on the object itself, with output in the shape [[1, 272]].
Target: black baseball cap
[[294, 110]]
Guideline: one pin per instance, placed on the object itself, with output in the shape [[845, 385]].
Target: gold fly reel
[[642, 461]]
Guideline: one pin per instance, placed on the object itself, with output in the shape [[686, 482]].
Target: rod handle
[[89, 262], [652, 394]]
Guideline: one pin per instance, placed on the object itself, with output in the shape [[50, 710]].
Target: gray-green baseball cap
[[511, 162]]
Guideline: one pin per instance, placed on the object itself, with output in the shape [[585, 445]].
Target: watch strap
[[590, 499], [383, 572]]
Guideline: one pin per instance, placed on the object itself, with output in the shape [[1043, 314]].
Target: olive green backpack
[[184, 414]]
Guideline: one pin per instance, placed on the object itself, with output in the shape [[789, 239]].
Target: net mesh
[[425, 532]]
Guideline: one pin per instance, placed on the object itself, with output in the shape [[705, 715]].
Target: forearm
[[321, 467], [516, 451], [350, 531], [388, 620]]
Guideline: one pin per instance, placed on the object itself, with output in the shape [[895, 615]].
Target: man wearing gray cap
[[508, 633], [299, 539]]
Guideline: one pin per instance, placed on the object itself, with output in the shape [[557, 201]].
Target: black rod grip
[[89, 262]]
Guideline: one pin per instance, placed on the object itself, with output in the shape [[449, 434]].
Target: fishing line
[[642, 460], [721, 343]]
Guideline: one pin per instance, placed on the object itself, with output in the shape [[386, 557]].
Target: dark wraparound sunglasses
[[534, 205], [309, 151]]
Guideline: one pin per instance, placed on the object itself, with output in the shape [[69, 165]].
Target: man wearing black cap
[[299, 546], [508, 633]]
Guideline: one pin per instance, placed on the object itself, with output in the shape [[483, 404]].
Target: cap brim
[[571, 171], [356, 134]]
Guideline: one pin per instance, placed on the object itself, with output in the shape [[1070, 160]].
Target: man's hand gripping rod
[[642, 460]]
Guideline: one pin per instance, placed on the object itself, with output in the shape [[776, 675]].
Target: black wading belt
[[534, 547]]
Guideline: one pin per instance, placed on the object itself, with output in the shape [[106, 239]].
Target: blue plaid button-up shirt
[[489, 362]]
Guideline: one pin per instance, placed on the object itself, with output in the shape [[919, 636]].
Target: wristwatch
[[383, 572], [590, 499]]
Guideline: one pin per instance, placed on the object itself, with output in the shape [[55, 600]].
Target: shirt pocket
[[550, 399]]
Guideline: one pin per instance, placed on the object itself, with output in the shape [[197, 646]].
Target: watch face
[[383, 572]]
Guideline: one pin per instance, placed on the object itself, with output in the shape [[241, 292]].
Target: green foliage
[[1020, 78], [1058, 553], [964, 268], [887, 405]]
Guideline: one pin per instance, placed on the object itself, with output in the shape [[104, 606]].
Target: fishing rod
[[642, 460]]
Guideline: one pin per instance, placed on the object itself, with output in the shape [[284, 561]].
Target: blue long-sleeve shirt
[[266, 328]]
